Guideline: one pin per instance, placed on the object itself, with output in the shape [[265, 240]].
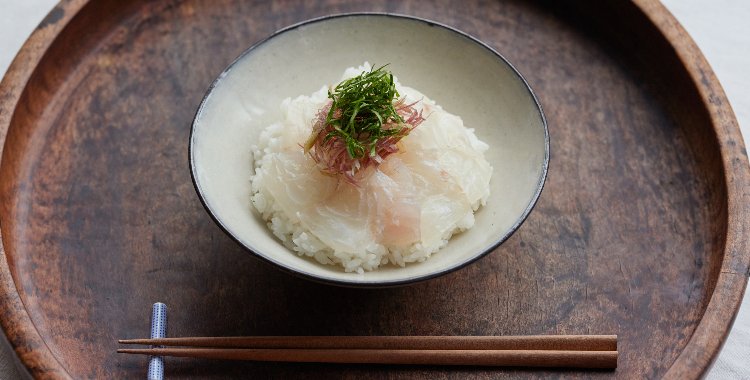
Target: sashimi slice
[[396, 221], [442, 202], [457, 152], [342, 220], [295, 183]]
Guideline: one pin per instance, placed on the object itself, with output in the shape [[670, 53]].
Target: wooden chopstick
[[513, 358], [574, 351], [529, 342]]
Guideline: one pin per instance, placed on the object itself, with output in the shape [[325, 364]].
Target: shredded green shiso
[[360, 108], [361, 124]]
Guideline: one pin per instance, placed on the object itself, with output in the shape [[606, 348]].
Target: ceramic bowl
[[463, 75]]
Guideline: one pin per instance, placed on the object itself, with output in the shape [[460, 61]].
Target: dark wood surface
[[640, 230]]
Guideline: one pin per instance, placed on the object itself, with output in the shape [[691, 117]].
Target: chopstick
[[512, 358], [527, 342], [574, 351]]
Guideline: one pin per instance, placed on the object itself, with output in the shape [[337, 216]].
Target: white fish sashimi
[[402, 211], [395, 199], [295, 183], [342, 220], [457, 151], [443, 203]]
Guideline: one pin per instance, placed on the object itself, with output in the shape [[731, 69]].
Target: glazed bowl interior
[[461, 74]]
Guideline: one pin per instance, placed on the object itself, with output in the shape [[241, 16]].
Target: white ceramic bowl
[[463, 75]]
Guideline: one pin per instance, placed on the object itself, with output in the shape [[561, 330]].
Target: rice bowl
[[485, 91]]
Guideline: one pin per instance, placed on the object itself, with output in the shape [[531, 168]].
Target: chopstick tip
[[134, 341], [136, 351]]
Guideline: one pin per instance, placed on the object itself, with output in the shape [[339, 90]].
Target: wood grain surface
[[640, 230]]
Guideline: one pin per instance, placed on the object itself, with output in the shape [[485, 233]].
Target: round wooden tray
[[639, 232]]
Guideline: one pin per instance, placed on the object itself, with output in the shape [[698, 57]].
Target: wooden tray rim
[[702, 347]]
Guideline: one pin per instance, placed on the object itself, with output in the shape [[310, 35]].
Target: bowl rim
[[354, 282]]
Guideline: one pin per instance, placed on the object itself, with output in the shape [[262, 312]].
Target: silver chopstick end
[[158, 330]]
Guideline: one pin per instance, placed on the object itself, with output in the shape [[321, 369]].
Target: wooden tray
[[639, 231]]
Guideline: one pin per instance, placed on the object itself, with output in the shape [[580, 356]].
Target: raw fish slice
[[456, 151], [335, 213], [441, 215], [420, 101], [443, 203], [341, 220], [430, 134], [396, 220], [294, 182], [472, 173]]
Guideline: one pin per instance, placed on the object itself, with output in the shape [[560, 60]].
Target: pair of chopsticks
[[573, 351]]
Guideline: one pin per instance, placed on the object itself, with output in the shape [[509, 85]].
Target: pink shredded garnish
[[332, 157]]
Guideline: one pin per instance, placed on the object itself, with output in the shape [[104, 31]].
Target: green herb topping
[[366, 118]]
